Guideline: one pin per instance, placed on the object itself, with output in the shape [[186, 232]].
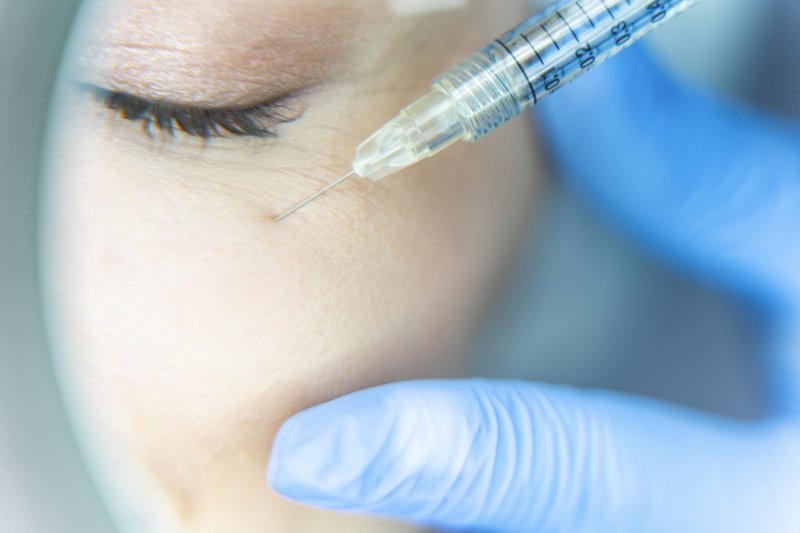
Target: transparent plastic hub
[[510, 76], [421, 130]]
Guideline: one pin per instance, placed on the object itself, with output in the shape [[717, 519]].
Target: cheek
[[192, 325], [195, 319]]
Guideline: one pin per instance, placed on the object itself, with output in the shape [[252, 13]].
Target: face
[[189, 324]]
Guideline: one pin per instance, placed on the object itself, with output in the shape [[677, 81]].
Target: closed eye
[[257, 121]]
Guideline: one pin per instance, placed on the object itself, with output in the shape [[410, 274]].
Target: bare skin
[[190, 324]]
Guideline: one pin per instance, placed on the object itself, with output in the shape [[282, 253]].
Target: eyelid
[[206, 122]]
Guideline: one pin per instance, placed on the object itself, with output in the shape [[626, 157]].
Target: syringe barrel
[[543, 54], [509, 76]]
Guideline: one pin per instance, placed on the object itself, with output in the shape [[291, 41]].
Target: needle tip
[[313, 197]]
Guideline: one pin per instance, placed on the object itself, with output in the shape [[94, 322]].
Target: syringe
[[507, 77]]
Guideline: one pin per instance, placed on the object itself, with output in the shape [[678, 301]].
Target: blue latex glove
[[710, 185]]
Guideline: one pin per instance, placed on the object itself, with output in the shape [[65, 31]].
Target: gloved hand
[[705, 183]]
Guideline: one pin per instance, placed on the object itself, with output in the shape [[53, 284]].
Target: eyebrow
[[217, 52]]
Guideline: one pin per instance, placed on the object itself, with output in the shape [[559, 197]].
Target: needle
[[310, 199]]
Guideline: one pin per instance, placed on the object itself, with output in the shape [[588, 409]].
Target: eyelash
[[258, 121]]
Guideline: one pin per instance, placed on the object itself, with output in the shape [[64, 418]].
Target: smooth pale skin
[[188, 324]]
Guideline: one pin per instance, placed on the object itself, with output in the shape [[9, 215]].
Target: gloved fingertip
[[319, 455], [394, 450], [285, 473]]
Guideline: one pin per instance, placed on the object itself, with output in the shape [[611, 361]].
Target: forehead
[[207, 18]]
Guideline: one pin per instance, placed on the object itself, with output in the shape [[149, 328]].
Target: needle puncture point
[[316, 195]]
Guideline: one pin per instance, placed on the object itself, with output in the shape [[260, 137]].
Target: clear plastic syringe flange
[[509, 76]]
